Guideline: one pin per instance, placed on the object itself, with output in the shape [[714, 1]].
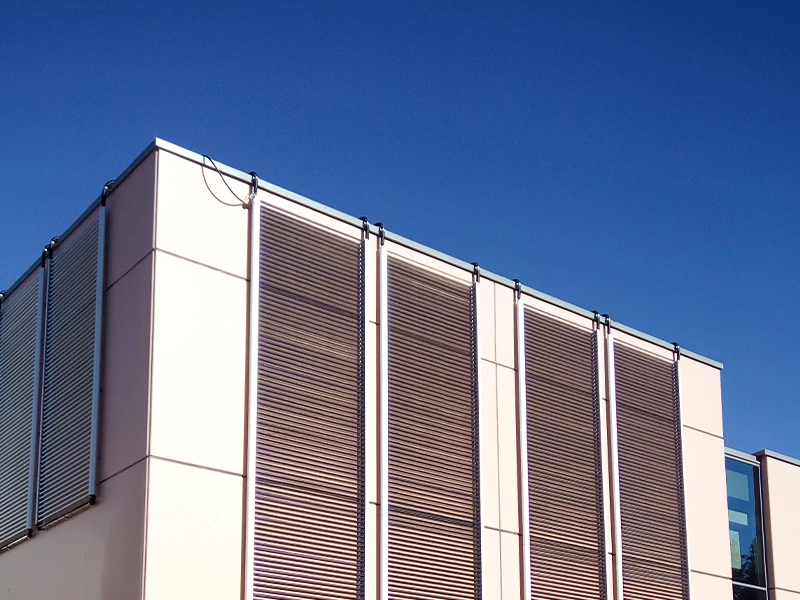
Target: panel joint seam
[[194, 465], [719, 437], [201, 264], [136, 264], [122, 470]]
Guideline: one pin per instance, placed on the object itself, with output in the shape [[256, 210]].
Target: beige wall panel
[[490, 501], [508, 454], [601, 361], [781, 484], [373, 548], [706, 503], [95, 555], [371, 409], [428, 262], [630, 340], [372, 382], [511, 571], [606, 464], [605, 453], [192, 224], [708, 587], [311, 215], [371, 279], [776, 594], [199, 344], [486, 315], [126, 370], [130, 219], [194, 533], [492, 574], [557, 312], [505, 340], [701, 396]]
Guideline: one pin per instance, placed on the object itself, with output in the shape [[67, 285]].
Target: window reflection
[[741, 592], [744, 520]]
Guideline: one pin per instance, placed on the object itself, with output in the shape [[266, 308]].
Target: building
[[211, 387]]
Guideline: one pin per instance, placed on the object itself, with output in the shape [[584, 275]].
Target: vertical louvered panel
[[565, 486], [434, 513], [19, 356], [650, 476], [309, 508], [70, 391]]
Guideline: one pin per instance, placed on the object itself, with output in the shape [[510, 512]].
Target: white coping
[[302, 200]]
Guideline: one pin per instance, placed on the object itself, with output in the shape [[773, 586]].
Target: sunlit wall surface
[[744, 518], [406, 426]]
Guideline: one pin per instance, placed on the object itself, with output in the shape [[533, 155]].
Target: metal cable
[[217, 198]]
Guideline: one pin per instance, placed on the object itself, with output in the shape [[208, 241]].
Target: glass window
[[741, 592], [744, 519]]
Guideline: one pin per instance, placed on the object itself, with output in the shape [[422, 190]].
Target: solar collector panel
[[20, 331], [309, 510], [654, 559], [71, 372], [433, 478], [565, 485]]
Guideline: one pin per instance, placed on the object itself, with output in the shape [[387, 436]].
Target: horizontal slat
[[18, 324], [433, 509], [564, 571], [653, 532], [65, 461], [309, 509], [427, 558], [565, 507]]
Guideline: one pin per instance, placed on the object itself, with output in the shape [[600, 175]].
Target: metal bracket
[[253, 189], [365, 227], [518, 288], [48, 250], [476, 271], [381, 233], [607, 322], [676, 350], [106, 191]]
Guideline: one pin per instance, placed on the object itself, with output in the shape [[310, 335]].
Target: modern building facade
[[211, 387]]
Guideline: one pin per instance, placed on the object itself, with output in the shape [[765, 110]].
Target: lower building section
[[194, 533], [780, 485], [96, 555]]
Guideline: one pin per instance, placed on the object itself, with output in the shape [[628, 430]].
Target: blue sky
[[640, 160]]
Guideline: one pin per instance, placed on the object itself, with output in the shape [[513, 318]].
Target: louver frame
[[21, 324], [306, 495], [654, 549], [563, 497], [72, 351], [431, 421]]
